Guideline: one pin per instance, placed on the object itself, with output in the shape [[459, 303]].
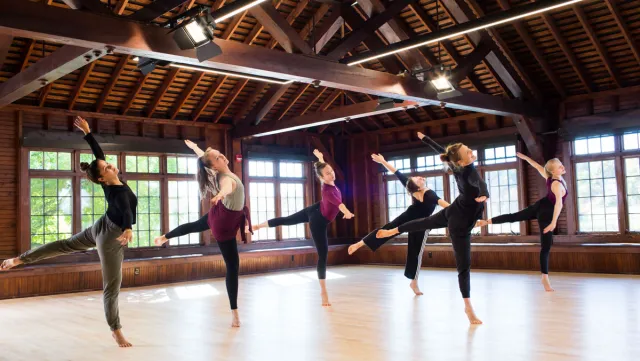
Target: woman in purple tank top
[[318, 216], [546, 211]]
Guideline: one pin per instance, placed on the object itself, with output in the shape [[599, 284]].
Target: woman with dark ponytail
[[460, 217], [424, 203], [227, 215], [109, 234], [318, 216]]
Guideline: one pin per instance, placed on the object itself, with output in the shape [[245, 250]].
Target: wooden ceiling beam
[[330, 99], [315, 19], [5, 46], [80, 83], [292, 100], [469, 62], [113, 79], [624, 27], [48, 69], [166, 84], [155, 10], [526, 130], [317, 94], [579, 70], [606, 60], [120, 7], [27, 54], [265, 104], [603, 94], [290, 19], [248, 103], [211, 92], [373, 120], [235, 22], [36, 20], [136, 90], [186, 93], [237, 89], [42, 97], [329, 28], [279, 28]]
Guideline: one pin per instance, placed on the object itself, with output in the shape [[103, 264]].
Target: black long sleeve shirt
[[121, 200], [429, 201]]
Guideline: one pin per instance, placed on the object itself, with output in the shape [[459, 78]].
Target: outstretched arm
[[533, 163], [319, 155], [82, 124], [556, 188], [347, 213], [378, 158], [194, 147], [442, 203], [430, 142]]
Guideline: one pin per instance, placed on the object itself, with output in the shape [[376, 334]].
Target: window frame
[[307, 183]]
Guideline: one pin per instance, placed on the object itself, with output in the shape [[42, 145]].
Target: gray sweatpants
[[101, 235]]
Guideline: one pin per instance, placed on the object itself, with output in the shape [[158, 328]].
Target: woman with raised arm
[[546, 211], [424, 203], [318, 216], [109, 234], [460, 217], [227, 215]]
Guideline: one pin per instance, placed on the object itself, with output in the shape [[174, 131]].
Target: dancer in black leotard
[[460, 217], [546, 211], [424, 203]]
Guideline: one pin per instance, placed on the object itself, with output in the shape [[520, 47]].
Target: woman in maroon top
[[546, 211], [318, 216]]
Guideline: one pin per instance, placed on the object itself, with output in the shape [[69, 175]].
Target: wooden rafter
[[25, 61], [166, 83], [155, 10], [211, 92], [329, 28], [375, 121], [113, 79], [525, 128], [315, 19], [5, 45], [136, 90], [233, 24], [186, 93], [265, 104], [316, 95], [330, 99], [279, 28], [470, 61], [577, 68], [300, 6], [42, 97], [237, 89], [120, 7], [82, 80], [292, 100], [626, 32], [248, 103], [606, 60]]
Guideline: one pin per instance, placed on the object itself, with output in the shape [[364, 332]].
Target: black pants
[[542, 210], [416, 242], [229, 250], [460, 220], [318, 225]]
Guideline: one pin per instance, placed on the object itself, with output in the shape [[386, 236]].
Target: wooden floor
[[374, 317]]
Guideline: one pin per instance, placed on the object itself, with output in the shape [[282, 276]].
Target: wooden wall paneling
[[570, 204]]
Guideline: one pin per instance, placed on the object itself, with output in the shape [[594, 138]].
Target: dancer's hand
[[190, 144], [481, 223], [348, 215], [521, 156], [420, 135], [246, 229], [125, 237], [378, 158], [318, 155], [216, 199], [549, 228], [481, 199], [82, 124]]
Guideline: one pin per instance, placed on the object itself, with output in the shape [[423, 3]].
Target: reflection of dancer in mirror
[[318, 216], [546, 211], [424, 203], [227, 215], [108, 235], [460, 217]]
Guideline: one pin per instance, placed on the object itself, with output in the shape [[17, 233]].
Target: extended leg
[[198, 226], [526, 214], [374, 243]]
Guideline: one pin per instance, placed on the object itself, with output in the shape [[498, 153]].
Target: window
[[142, 164], [499, 155], [594, 145], [182, 165], [258, 168], [292, 201], [503, 187], [92, 202], [398, 199], [263, 208], [429, 162], [436, 184], [184, 207], [597, 196], [88, 158], [632, 177], [631, 141], [51, 210], [49, 160], [453, 194], [148, 218], [291, 170], [403, 165]]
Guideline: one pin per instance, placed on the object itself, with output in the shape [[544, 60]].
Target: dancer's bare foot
[[119, 337], [468, 309], [415, 288], [481, 223], [325, 299], [235, 321], [257, 227], [10, 263], [546, 283], [159, 241], [354, 247]]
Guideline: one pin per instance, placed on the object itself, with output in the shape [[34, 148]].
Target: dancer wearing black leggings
[[227, 215], [546, 211], [460, 217], [109, 235], [424, 203], [318, 216]]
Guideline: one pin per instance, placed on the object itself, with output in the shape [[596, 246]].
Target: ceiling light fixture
[[232, 9], [461, 29], [232, 74]]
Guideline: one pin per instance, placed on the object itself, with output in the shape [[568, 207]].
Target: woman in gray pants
[[109, 234]]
